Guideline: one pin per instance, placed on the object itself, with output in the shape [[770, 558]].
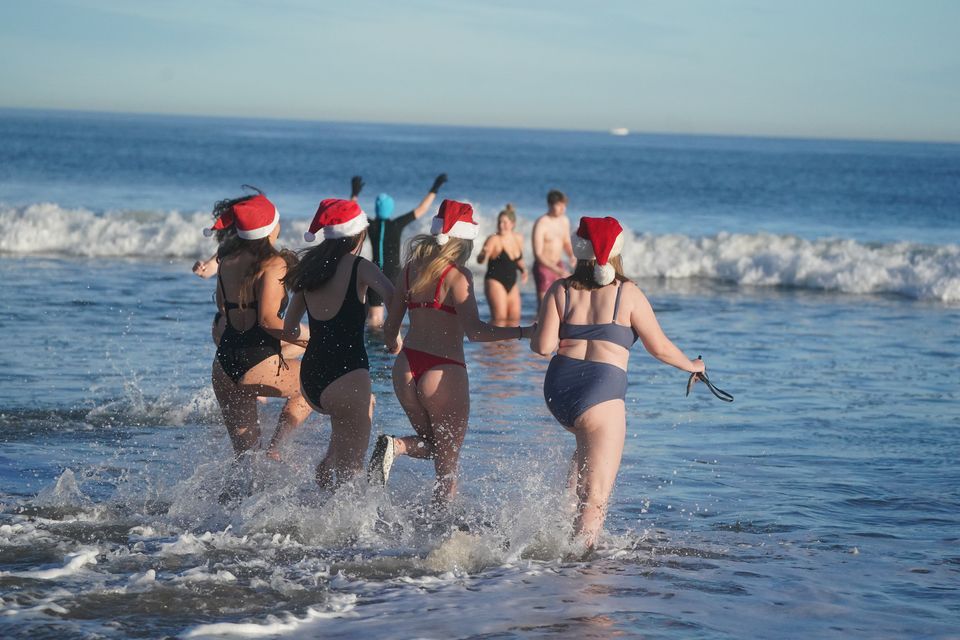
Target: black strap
[[716, 391]]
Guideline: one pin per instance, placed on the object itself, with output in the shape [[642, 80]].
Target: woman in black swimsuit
[[504, 250], [330, 284], [250, 299]]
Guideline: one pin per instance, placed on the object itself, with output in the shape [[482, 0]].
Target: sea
[[819, 280]]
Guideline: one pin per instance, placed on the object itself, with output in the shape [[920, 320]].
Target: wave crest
[[925, 272]]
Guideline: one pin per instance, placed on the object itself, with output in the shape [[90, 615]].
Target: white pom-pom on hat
[[336, 218], [599, 239], [454, 220]]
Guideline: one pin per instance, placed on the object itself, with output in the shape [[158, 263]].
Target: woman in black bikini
[[429, 375], [250, 299], [330, 284], [504, 253]]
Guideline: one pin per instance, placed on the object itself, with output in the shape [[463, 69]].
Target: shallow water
[[823, 502], [819, 279]]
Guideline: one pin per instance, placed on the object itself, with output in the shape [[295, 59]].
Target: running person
[[385, 235], [330, 284], [429, 375], [551, 238], [504, 254], [250, 299], [592, 319]]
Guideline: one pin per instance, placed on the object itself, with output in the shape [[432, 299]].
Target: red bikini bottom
[[420, 362]]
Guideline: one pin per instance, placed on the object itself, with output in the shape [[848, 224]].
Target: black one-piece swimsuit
[[239, 351], [336, 346]]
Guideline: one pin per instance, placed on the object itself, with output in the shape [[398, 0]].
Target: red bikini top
[[436, 296]]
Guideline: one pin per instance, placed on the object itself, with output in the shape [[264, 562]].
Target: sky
[[874, 69]]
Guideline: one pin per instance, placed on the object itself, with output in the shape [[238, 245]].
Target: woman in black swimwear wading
[[504, 254], [250, 298], [330, 284]]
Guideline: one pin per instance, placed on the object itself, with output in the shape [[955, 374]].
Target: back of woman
[[592, 319], [330, 284]]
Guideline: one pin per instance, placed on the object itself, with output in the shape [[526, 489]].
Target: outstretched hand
[[438, 182], [356, 186]]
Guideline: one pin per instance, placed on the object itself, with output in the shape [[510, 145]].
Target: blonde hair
[[509, 213], [433, 258]]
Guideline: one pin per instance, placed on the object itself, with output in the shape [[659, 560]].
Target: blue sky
[[844, 68]]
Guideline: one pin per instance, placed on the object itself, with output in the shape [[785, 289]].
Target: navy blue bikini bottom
[[572, 386]]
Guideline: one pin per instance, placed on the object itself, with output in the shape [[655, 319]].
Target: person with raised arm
[[430, 374], [385, 232], [330, 283], [591, 319]]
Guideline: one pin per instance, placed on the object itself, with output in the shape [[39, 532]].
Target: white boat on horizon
[[619, 131]]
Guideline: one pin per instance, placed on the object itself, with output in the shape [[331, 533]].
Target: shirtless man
[[551, 238]]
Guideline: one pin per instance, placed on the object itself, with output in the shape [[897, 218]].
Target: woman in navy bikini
[[591, 319], [429, 375], [330, 284], [250, 299]]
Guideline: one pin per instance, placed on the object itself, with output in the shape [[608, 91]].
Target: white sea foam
[[926, 272], [75, 563]]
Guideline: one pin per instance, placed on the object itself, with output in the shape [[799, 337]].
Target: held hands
[[356, 186], [394, 346], [527, 332], [438, 182]]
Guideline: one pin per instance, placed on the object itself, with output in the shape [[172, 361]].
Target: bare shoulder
[[274, 264], [633, 295]]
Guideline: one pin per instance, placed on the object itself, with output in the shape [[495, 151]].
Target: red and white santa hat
[[454, 220], [336, 218], [255, 218], [599, 239]]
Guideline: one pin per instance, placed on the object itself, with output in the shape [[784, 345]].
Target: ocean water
[[819, 279]]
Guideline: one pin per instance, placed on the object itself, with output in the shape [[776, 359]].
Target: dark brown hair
[[318, 264], [555, 196]]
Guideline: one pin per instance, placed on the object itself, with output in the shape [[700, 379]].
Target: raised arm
[[424, 205], [206, 268], [356, 186], [474, 328], [655, 341], [546, 335]]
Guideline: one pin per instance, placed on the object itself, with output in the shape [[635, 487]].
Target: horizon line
[[632, 132]]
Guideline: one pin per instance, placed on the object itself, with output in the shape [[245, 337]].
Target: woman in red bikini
[[429, 375]]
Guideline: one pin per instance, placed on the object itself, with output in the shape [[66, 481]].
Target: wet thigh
[[270, 378], [600, 432], [496, 297], [409, 397]]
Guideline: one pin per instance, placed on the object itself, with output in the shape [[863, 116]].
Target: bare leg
[[496, 299], [445, 394], [513, 305], [420, 445], [264, 380], [600, 435], [347, 400], [239, 408]]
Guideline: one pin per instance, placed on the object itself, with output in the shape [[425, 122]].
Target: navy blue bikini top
[[610, 332]]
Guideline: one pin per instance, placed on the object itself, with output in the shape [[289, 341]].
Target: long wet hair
[[584, 279], [318, 264], [262, 250], [434, 258]]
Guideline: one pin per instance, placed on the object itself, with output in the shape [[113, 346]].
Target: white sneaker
[[380, 462]]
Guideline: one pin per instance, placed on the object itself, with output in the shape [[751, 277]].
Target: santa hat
[[255, 218], [336, 218], [454, 220], [599, 239]]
